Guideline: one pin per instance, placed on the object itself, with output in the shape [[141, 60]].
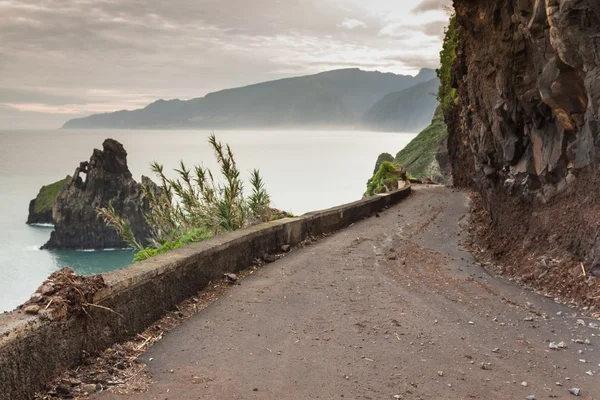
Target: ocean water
[[303, 170]]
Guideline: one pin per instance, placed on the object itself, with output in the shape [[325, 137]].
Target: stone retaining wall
[[33, 351]]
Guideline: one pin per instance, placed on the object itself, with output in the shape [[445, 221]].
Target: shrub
[[385, 179]]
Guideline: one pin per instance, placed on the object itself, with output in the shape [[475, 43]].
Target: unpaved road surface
[[388, 307]]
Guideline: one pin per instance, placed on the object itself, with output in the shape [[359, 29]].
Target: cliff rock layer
[[107, 180], [524, 130]]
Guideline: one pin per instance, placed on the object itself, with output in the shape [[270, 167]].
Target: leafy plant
[[386, 179], [194, 206], [447, 95]]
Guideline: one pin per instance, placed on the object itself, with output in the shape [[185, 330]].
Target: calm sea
[[303, 170]]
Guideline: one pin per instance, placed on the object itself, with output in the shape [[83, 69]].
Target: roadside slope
[[390, 306]]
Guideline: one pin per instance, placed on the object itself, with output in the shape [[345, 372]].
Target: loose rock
[[575, 391], [32, 309]]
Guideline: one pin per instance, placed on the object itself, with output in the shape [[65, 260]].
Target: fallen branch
[[104, 308], [143, 344]]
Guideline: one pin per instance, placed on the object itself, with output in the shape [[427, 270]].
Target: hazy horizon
[[66, 59]]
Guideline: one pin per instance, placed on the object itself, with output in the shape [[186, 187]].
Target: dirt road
[[388, 307]]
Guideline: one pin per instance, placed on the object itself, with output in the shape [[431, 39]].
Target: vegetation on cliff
[[385, 179], [419, 155], [194, 207], [40, 208], [47, 195], [447, 94]]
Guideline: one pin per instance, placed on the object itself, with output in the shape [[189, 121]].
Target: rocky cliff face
[[107, 179], [524, 131]]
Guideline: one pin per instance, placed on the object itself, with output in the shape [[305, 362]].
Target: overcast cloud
[[66, 58]]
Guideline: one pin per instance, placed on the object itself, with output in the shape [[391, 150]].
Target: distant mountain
[[333, 98], [408, 110]]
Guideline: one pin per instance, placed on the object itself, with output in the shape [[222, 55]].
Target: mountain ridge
[[330, 98]]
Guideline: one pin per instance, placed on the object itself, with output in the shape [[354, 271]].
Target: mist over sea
[[303, 170]]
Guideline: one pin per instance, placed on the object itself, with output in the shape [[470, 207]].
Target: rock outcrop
[[107, 181], [40, 208], [525, 131]]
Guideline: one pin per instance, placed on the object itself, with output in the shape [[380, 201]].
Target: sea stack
[[106, 180]]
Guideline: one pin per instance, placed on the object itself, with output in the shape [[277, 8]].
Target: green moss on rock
[[47, 195], [385, 179]]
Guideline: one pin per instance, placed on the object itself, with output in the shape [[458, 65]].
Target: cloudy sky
[[66, 58]]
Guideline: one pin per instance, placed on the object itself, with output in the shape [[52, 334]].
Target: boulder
[[102, 181]]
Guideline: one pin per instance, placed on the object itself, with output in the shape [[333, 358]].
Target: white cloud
[[353, 23]]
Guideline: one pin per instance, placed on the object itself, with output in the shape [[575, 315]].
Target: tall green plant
[[194, 205]]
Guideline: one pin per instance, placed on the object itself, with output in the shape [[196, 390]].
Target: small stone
[[231, 278], [524, 384], [575, 391], [471, 323], [553, 346], [530, 397], [36, 298], [495, 350], [486, 366], [399, 397], [590, 373], [88, 388], [562, 345], [269, 258], [581, 322], [63, 390], [441, 373], [33, 309], [285, 248], [47, 289], [528, 319]]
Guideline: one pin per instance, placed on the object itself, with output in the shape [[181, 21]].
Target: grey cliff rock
[[106, 180]]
